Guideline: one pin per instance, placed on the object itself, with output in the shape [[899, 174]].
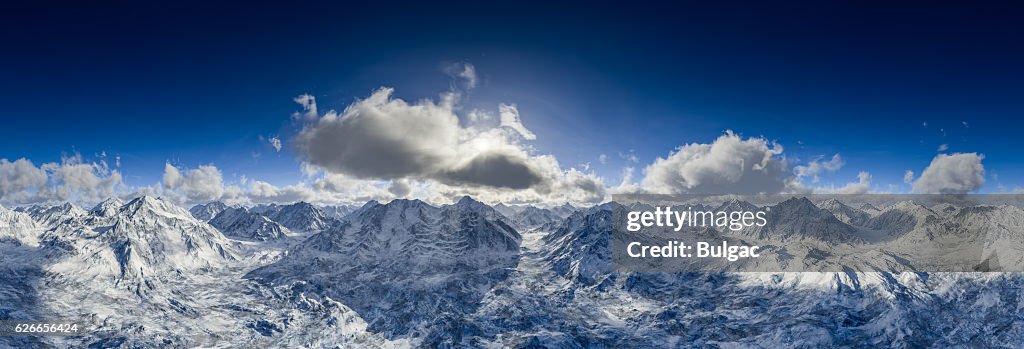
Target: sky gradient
[[887, 88]]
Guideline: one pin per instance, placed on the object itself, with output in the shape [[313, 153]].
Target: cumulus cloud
[[957, 173], [19, 176], [730, 165], [73, 179], [88, 181], [386, 138], [263, 192], [202, 184], [510, 118], [816, 167]]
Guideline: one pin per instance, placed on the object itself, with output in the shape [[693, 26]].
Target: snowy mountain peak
[[506, 210], [534, 218], [736, 205], [867, 207], [844, 212], [53, 215], [469, 204], [468, 201], [564, 210], [798, 218], [145, 235], [797, 202], [239, 222], [107, 207], [147, 204], [338, 211], [18, 227], [206, 212], [301, 216]]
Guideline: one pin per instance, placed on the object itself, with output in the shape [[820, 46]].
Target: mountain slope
[[51, 216], [405, 264], [240, 223], [844, 213], [18, 227], [206, 212], [300, 216], [147, 236], [580, 248], [800, 219]]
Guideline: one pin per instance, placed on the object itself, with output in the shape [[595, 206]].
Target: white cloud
[[908, 177], [816, 167], [510, 118], [275, 142], [943, 147], [263, 192], [19, 176], [385, 138], [309, 111], [729, 165], [87, 181], [465, 72], [72, 179], [952, 174], [202, 184], [603, 159], [627, 185]]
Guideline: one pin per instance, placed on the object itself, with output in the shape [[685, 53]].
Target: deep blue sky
[[199, 83]]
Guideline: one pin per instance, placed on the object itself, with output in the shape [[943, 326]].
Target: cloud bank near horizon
[[382, 147]]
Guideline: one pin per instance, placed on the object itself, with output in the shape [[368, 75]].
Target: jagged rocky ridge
[[240, 223], [300, 216], [206, 212]]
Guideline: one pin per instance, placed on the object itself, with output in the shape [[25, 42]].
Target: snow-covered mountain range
[[148, 273], [300, 216], [240, 223]]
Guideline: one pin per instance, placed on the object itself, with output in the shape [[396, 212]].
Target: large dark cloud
[[385, 138], [495, 170]]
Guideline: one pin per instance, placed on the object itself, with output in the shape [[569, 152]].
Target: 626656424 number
[[39, 328]]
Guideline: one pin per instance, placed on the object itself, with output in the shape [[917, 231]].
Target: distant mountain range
[[148, 273]]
